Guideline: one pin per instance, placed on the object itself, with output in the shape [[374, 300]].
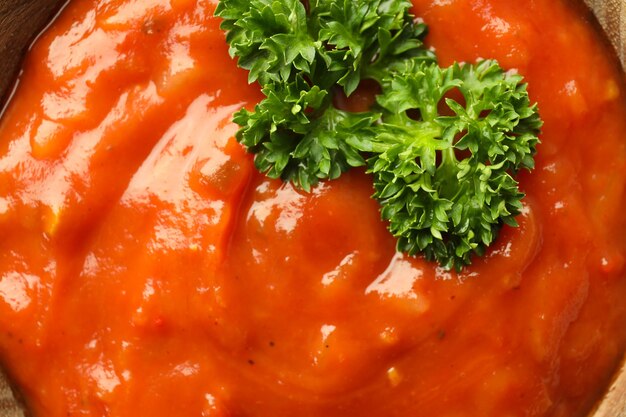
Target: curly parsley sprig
[[443, 144], [299, 57], [299, 136], [333, 42], [438, 202]]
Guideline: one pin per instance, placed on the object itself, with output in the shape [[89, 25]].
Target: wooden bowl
[[22, 20], [612, 16]]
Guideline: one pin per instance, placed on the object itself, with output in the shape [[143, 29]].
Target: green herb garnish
[[444, 181]]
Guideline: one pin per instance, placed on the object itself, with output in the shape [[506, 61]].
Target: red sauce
[[147, 269]]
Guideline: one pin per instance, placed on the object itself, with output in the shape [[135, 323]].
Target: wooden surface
[[612, 16], [614, 403], [8, 405], [20, 20]]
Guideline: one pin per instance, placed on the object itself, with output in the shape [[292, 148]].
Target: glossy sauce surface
[[147, 269]]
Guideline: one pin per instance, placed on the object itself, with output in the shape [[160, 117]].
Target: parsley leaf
[[364, 38], [334, 42], [270, 38], [298, 135], [437, 202]]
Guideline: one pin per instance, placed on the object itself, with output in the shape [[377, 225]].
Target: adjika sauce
[[147, 269]]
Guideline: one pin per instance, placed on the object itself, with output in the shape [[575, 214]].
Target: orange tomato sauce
[[147, 269]]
